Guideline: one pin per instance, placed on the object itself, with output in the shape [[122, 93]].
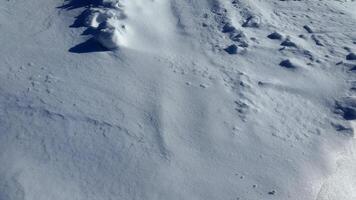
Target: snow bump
[[108, 21]]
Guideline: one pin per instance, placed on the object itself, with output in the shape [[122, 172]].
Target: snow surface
[[140, 99]]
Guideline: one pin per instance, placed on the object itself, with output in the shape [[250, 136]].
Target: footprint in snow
[[275, 36], [232, 49], [288, 43], [288, 64]]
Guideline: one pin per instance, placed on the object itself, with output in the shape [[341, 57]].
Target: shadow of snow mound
[[347, 108], [74, 4], [88, 46]]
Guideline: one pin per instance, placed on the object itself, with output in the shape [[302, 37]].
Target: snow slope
[[178, 99]]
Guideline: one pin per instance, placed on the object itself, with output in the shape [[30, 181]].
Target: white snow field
[[177, 99]]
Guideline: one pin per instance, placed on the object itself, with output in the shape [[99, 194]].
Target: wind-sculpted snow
[[107, 20], [177, 99], [131, 24]]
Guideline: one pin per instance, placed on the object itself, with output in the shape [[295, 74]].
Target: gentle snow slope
[[190, 99]]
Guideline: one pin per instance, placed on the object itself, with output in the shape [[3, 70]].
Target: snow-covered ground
[[177, 99]]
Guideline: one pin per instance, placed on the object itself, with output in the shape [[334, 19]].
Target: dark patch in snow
[[287, 64], [347, 108], [232, 49], [275, 36], [351, 56], [88, 46]]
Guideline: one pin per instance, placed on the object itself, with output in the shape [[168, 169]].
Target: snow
[[139, 99], [119, 23]]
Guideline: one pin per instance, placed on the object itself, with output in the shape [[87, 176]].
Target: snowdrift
[[177, 99]]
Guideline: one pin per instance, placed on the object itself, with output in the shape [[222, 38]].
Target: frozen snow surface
[[177, 99]]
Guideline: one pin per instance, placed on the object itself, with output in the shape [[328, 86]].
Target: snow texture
[[177, 99]]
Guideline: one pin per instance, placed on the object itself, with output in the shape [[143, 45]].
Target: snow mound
[[132, 24], [108, 21]]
